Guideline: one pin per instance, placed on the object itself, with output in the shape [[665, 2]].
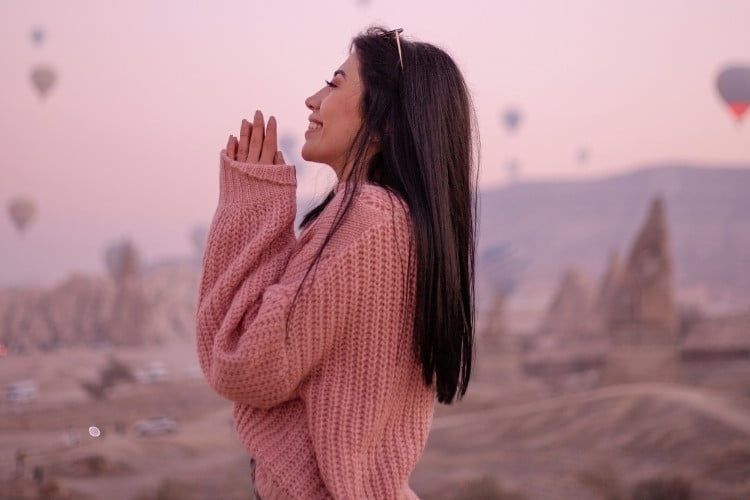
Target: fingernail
[[257, 113]]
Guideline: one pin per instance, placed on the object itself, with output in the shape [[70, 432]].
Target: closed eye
[[330, 84]]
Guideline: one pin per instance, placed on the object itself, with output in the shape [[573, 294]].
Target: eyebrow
[[339, 72]]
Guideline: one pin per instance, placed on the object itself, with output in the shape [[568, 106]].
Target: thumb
[[278, 159]]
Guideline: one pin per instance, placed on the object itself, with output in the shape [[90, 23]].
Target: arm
[[252, 349], [249, 242]]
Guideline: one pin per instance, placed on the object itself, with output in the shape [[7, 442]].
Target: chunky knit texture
[[329, 400]]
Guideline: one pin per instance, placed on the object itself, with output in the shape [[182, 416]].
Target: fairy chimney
[[645, 297], [497, 358], [608, 287], [609, 284], [642, 318], [570, 313]]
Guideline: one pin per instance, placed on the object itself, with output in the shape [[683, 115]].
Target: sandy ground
[[583, 445], [118, 465]]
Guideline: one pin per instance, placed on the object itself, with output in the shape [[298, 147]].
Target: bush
[[663, 488], [485, 488], [168, 489]]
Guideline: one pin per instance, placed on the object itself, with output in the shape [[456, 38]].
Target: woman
[[334, 345]]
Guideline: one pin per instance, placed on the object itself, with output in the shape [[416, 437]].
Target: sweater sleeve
[[259, 334]]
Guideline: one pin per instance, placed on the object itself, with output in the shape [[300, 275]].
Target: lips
[[314, 124]]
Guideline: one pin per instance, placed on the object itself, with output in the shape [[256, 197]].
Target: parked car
[[153, 372], [23, 391], [155, 425]]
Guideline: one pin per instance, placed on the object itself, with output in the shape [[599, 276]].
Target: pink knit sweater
[[331, 403]]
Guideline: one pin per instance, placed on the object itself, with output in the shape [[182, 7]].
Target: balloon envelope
[[582, 156], [501, 267], [122, 260], [198, 237], [21, 212], [511, 119], [37, 36], [288, 146], [733, 84], [512, 168], [43, 78]]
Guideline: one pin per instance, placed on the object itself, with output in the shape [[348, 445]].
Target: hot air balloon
[[582, 156], [21, 212], [198, 237], [37, 36], [733, 84], [122, 260], [291, 149], [288, 146], [511, 118], [512, 169], [43, 77], [501, 267]]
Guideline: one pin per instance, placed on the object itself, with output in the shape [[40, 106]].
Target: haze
[[126, 143]]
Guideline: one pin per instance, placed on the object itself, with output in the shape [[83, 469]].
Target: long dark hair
[[424, 119]]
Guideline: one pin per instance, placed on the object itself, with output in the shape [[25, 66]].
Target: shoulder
[[380, 204], [363, 213], [373, 206]]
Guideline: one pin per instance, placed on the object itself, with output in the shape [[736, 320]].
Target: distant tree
[[114, 371]]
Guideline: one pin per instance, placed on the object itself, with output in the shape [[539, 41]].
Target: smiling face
[[335, 119]]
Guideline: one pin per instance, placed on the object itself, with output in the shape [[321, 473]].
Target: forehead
[[351, 66]]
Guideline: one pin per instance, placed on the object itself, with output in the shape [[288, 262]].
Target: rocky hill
[[551, 226], [530, 233], [156, 308]]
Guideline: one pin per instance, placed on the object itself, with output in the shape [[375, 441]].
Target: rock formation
[[497, 354], [570, 314], [150, 308], [608, 287], [642, 317], [568, 349]]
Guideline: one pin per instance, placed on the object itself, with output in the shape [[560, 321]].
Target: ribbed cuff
[[250, 182]]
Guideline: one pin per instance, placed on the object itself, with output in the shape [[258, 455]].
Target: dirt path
[[704, 402]]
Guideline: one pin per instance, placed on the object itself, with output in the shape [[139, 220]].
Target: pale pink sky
[[126, 143]]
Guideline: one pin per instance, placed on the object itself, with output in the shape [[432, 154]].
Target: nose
[[309, 103], [313, 102]]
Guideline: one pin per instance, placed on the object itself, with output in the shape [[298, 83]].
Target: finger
[[256, 138], [244, 140], [229, 148], [268, 152], [279, 158], [234, 148]]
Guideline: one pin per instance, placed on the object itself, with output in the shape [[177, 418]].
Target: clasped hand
[[257, 142]]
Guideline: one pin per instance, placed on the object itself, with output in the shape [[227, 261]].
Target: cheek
[[351, 123]]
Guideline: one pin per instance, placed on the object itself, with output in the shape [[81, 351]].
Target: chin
[[305, 153], [311, 156]]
